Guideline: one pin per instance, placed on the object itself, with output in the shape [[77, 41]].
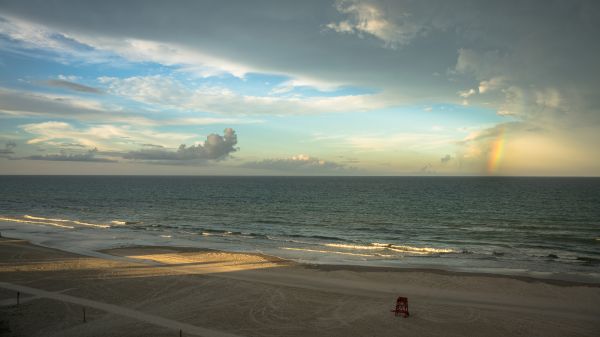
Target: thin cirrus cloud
[[102, 136], [60, 83], [170, 92], [39, 104]]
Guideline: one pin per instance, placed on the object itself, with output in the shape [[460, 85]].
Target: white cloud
[[81, 47], [36, 104], [467, 93], [300, 163], [491, 84], [105, 137], [169, 54], [168, 92], [366, 17], [99, 49], [290, 85]]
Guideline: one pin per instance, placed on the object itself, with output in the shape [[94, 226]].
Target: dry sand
[[155, 291]]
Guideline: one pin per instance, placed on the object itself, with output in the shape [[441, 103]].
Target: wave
[[394, 248], [66, 220], [588, 260], [379, 249], [36, 222], [322, 237], [122, 223], [334, 252], [358, 247], [412, 249]]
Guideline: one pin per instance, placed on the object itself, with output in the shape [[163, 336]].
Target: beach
[[158, 291]]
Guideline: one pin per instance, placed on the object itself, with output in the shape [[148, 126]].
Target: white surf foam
[[66, 220], [36, 222]]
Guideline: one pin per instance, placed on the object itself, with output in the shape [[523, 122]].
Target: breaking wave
[[66, 220], [394, 248]]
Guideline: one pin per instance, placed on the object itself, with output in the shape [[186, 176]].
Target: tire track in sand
[[115, 309]]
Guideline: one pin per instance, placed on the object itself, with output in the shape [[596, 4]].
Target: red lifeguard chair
[[401, 307]]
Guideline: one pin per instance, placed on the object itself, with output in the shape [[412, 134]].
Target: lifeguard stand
[[401, 307]]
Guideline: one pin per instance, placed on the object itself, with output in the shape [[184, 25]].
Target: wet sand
[[156, 291]]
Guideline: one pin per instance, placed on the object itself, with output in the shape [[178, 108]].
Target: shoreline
[[558, 279], [365, 268], [88, 238], [155, 290]]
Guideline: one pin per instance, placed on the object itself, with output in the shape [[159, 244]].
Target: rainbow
[[496, 152]]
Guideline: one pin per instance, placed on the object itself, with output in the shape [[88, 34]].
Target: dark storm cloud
[[72, 86], [216, 147]]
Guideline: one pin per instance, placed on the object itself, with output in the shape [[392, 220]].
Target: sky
[[341, 87]]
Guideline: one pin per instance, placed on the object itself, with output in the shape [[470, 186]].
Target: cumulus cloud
[[300, 164], [216, 147]]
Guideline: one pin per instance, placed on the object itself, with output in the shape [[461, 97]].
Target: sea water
[[547, 227]]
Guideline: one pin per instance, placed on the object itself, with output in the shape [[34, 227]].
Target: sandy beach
[[158, 291]]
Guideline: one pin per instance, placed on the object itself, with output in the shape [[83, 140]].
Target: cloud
[[8, 148], [427, 169], [520, 148], [117, 141], [300, 163], [102, 136], [215, 147], [467, 93], [59, 83], [35, 104], [549, 79], [153, 146], [367, 17], [446, 159], [489, 85], [168, 92], [89, 156]]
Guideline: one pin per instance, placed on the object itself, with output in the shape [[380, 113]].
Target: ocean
[[542, 227]]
